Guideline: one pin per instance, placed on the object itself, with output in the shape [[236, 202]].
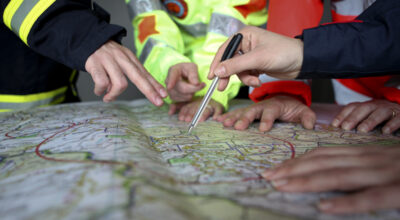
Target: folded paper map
[[130, 160]]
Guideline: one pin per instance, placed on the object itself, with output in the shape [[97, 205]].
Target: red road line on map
[[292, 149], [39, 154], [7, 135]]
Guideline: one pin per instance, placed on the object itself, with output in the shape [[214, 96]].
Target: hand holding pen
[[265, 52], [229, 53]]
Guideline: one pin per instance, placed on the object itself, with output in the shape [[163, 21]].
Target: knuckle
[[124, 84], [351, 120], [289, 169], [341, 180], [121, 85], [302, 181], [352, 105], [371, 121], [390, 126], [101, 83]]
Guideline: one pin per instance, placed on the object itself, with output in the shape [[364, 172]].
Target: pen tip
[[190, 130]]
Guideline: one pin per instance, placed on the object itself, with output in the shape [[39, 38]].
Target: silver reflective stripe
[[394, 81], [344, 95], [263, 26], [21, 14], [147, 49], [26, 105], [224, 24], [198, 29], [351, 7], [264, 78], [137, 7]]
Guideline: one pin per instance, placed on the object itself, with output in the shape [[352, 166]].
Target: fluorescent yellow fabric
[[10, 10], [192, 39], [31, 11], [167, 51], [14, 102], [32, 17]]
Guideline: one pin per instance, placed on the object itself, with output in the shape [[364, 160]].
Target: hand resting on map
[[370, 175], [367, 115], [187, 110], [281, 107]]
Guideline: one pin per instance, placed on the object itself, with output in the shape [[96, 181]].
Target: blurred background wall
[[322, 89]]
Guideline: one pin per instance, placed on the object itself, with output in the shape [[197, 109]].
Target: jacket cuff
[[97, 39], [296, 89], [391, 94]]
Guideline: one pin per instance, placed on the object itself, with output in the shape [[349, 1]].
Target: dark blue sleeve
[[71, 30], [368, 46]]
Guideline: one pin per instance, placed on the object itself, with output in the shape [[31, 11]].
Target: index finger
[[135, 75], [160, 90], [172, 78]]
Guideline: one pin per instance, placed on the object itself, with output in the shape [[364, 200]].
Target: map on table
[[131, 160]]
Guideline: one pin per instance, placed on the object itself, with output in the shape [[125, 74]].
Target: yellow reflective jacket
[[168, 32]]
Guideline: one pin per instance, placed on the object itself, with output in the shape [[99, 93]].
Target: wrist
[[299, 57]]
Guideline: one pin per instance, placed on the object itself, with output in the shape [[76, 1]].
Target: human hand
[[282, 107], [183, 81], [189, 109], [264, 52], [367, 115], [370, 173], [111, 64]]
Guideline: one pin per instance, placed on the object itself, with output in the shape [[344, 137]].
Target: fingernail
[[240, 122], [158, 101], [163, 93], [346, 126], [335, 123], [228, 122], [363, 129], [279, 183], [263, 126], [255, 83], [386, 130], [220, 71], [325, 205]]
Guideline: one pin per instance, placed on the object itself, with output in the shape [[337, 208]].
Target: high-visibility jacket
[[43, 44], [346, 90], [168, 32]]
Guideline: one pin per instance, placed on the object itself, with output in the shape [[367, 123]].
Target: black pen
[[228, 53]]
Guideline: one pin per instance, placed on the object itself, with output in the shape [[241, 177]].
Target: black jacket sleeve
[[69, 31], [368, 46]]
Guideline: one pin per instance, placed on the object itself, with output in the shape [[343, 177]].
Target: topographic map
[[130, 160]]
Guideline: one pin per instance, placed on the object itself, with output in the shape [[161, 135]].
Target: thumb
[[237, 64], [172, 78]]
